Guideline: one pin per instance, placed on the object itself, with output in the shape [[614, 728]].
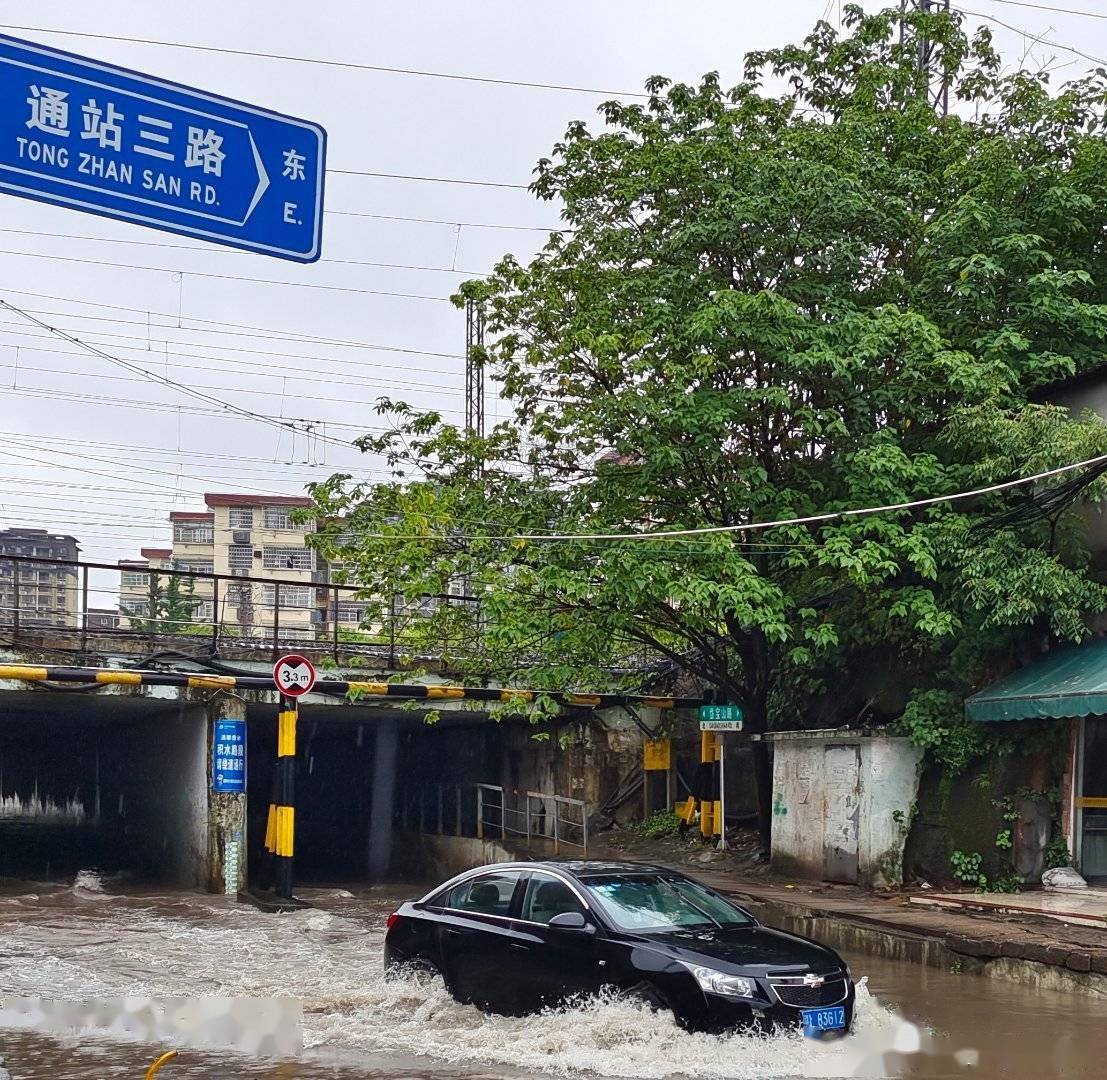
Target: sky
[[92, 450]]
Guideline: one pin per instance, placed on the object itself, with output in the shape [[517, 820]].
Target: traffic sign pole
[[283, 814], [294, 676], [720, 740]]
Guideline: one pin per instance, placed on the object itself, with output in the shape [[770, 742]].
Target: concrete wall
[[888, 782], [430, 858]]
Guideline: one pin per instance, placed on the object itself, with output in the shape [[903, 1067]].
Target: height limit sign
[[294, 675]]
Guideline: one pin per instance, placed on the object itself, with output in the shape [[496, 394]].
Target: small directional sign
[[106, 140], [721, 718], [294, 675]]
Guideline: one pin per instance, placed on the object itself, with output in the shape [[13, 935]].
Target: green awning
[[1070, 681]]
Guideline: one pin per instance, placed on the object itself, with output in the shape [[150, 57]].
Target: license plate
[[824, 1019]]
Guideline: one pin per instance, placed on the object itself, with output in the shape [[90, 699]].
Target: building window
[[134, 607], [351, 613], [288, 558], [135, 577], [240, 557], [241, 517], [293, 597], [297, 633], [194, 566], [280, 518], [193, 534]]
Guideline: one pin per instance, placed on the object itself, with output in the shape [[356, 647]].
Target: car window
[[547, 897], [649, 902], [489, 894]]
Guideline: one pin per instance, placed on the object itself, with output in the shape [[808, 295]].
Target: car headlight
[[716, 982]]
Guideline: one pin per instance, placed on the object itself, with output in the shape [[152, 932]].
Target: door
[[1092, 799], [842, 776], [477, 937], [557, 963]]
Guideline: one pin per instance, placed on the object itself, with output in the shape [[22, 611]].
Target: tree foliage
[[766, 305]]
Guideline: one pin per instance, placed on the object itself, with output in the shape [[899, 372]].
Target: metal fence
[[91, 601], [489, 811]]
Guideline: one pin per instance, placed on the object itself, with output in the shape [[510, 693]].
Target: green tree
[[765, 306], [172, 606]]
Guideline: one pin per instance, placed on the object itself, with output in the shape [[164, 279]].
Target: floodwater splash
[[609, 1037], [42, 811], [153, 949]]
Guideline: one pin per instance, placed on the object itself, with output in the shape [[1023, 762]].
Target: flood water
[[90, 940]]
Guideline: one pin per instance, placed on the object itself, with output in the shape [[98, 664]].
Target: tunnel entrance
[[109, 783], [335, 748]]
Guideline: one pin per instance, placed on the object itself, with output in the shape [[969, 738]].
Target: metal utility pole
[[474, 370], [935, 83]]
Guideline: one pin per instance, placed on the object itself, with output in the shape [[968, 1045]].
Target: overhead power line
[[429, 179], [756, 526], [446, 221], [212, 249], [1050, 8], [322, 62], [152, 376], [270, 333], [225, 277], [1026, 33]]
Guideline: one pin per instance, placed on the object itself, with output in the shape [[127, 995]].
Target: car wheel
[[417, 968], [646, 994]]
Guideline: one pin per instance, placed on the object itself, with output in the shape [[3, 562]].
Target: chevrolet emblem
[[810, 979]]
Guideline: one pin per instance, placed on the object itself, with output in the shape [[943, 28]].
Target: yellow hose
[[152, 1071]]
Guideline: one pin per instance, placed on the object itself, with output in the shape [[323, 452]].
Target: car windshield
[[656, 903]]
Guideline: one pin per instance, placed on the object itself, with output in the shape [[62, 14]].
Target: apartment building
[[194, 552], [256, 536], [35, 594], [246, 536], [135, 583]]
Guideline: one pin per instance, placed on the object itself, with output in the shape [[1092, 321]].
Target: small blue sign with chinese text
[[228, 767], [102, 139]]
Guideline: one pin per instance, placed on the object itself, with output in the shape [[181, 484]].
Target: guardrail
[[89, 601], [539, 816]]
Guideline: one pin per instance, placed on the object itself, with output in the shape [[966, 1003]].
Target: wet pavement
[[90, 940]]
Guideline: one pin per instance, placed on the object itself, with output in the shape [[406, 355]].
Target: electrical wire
[[270, 333], [154, 346], [1039, 40], [322, 62], [217, 250], [275, 393], [1050, 8], [756, 526], [152, 376], [446, 221], [144, 450], [225, 277]]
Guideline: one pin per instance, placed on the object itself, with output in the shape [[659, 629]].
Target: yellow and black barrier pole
[[282, 815]]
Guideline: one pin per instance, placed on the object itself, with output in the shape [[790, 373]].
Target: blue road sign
[[102, 139], [228, 749]]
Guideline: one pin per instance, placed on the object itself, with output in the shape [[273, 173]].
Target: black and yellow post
[[275, 893], [280, 832]]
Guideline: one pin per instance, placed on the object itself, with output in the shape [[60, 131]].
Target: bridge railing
[[490, 811], [92, 601]]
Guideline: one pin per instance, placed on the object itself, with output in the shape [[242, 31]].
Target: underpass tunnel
[[338, 753], [110, 783], [355, 765]]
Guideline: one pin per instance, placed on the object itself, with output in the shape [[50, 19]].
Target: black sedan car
[[519, 937]]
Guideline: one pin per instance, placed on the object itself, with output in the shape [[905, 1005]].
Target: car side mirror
[[569, 920]]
